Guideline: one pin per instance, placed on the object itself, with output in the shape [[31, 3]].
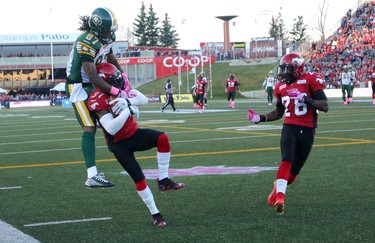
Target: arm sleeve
[[137, 98], [113, 125]]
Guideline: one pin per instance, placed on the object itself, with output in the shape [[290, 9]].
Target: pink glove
[[301, 97], [127, 85], [226, 90], [125, 93], [205, 95], [293, 92], [253, 116], [297, 95]]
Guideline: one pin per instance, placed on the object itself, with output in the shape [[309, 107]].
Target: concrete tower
[[226, 30]]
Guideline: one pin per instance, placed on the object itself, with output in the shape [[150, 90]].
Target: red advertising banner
[[169, 65]]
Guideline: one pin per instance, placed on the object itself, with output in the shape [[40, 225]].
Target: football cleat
[[158, 220], [167, 184], [98, 180], [272, 196], [279, 206]]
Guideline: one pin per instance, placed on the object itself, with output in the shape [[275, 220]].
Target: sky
[[194, 20]]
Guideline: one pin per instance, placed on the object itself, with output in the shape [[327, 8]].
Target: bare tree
[[320, 19]]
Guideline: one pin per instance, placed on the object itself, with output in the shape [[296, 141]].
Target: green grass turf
[[331, 201], [249, 77]]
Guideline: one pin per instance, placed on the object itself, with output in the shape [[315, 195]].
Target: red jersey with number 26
[[98, 100], [298, 113]]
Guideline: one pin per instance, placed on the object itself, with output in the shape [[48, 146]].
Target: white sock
[[163, 164], [148, 199], [281, 185], [92, 171]]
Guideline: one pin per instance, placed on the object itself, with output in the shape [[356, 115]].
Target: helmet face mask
[[110, 74], [231, 76], [103, 24], [290, 68]]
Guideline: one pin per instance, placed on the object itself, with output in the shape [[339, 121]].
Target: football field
[[228, 166]]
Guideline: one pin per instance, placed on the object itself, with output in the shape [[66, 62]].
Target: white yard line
[[10, 187], [67, 222]]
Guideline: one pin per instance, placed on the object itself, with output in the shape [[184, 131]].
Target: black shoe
[[167, 184], [158, 220]]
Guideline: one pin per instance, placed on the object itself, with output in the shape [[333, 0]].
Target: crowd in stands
[[351, 46], [54, 97], [13, 55]]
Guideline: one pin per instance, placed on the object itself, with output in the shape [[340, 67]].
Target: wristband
[[131, 111], [309, 101], [114, 91], [129, 103], [263, 118]]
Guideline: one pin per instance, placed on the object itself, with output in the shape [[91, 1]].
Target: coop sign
[[181, 61]]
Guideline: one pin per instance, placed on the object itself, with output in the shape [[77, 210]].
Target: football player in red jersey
[[230, 88], [299, 96], [372, 77], [124, 137], [200, 90]]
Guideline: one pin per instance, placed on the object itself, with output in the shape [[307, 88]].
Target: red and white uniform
[[98, 100], [231, 85], [372, 76], [298, 113], [200, 86]]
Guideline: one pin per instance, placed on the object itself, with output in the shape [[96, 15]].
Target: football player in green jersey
[[92, 47]]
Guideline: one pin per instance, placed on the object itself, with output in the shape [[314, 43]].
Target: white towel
[[78, 93]]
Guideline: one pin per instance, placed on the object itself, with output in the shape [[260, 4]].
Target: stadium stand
[[351, 46]]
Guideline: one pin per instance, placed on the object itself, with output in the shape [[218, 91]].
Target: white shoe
[[98, 180]]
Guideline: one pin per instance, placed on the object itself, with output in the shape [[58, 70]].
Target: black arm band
[[309, 101], [131, 110], [263, 118], [129, 103]]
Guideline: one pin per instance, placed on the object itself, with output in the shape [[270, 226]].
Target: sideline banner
[[66, 103], [29, 104], [153, 99], [178, 98]]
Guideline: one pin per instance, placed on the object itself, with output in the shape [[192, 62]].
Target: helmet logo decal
[[97, 21], [298, 61], [102, 75]]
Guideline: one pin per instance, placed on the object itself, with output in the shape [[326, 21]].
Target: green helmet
[[103, 24]]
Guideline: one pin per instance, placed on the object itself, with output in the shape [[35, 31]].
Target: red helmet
[[200, 76], [291, 67], [110, 74]]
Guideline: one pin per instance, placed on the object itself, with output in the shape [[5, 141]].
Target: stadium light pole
[[52, 72], [209, 59], [187, 77], [179, 73]]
